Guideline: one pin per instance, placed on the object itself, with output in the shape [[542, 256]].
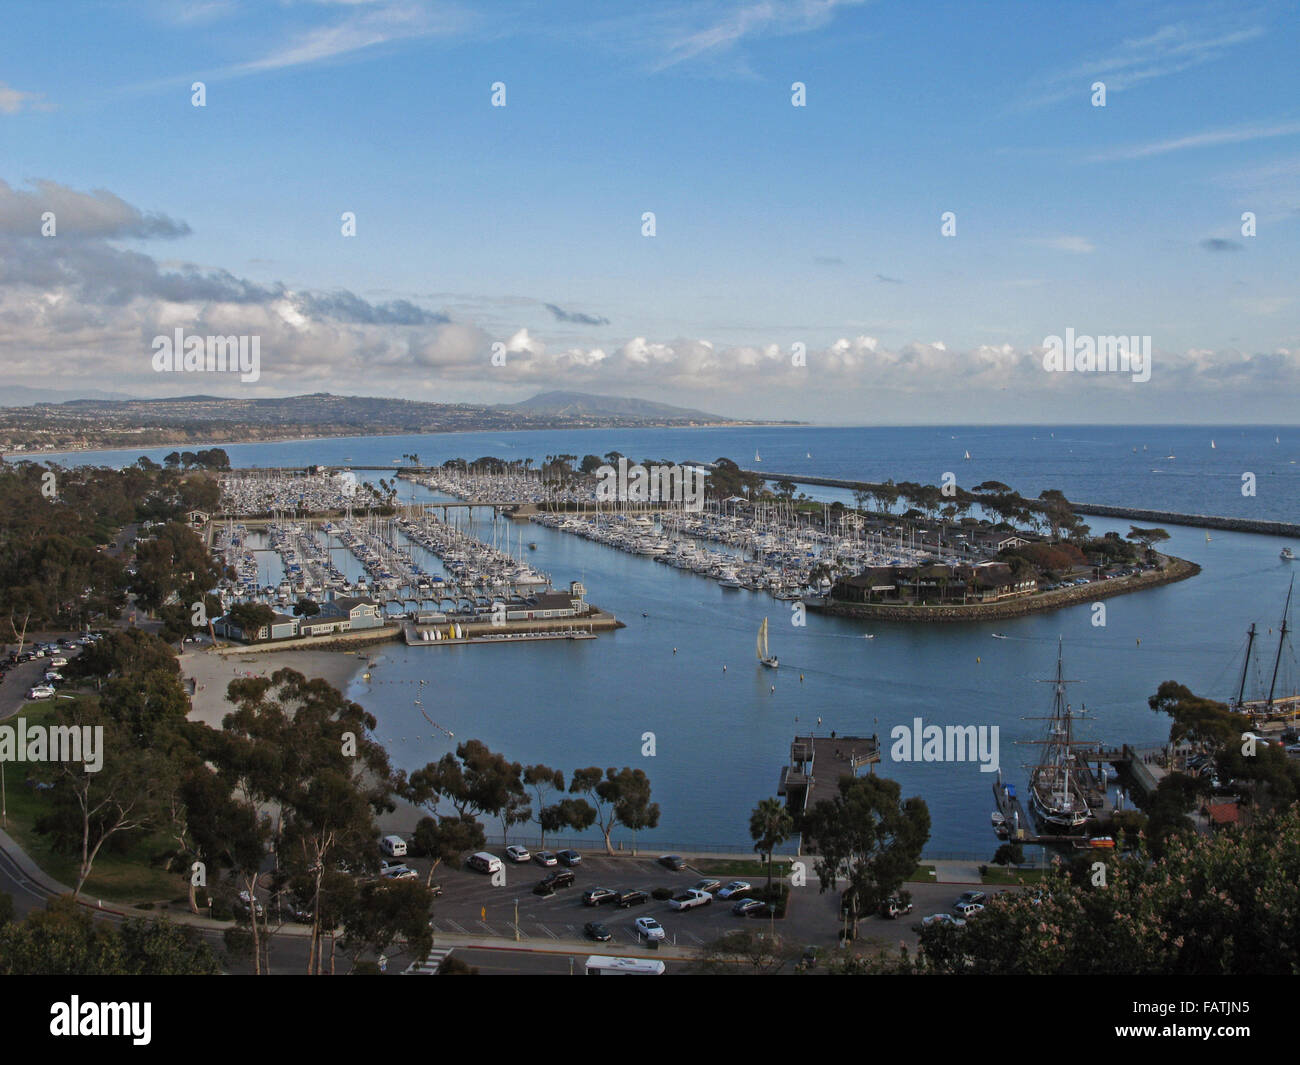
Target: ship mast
[[1281, 641], [1245, 666]]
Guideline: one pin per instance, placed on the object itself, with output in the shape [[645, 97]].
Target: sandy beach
[[213, 671]]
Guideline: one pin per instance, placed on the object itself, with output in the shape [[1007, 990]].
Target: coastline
[[1176, 569], [191, 445], [212, 671]]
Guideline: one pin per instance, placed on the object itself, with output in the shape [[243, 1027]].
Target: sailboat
[[1287, 555], [1056, 785], [808, 455], [1211, 445], [1262, 709], [756, 458], [770, 661], [967, 456], [1207, 536]]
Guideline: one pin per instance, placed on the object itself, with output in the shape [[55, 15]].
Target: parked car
[[707, 884], [735, 889], [598, 896], [632, 898], [969, 896], [750, 908], [894, 906], [569, 858], [969, 909], [552, 882], [58, 661], [545, 858], [242, 905], [689, 900], [597, 931], [52, 675], [399, 872], [650, 928], [940, 918], [41, 691], [675, 862], [517, 853]]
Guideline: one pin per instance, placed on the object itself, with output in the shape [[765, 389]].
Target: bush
[[661, 894]]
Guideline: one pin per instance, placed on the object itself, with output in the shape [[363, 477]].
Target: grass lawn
[[130, 876], [743, 868], [1011, 876], [922, 874]]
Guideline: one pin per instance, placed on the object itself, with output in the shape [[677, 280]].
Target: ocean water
[[722, 735]]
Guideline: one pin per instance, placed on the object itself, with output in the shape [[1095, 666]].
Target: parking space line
[[548, 931], [490, 930], [459, 927]]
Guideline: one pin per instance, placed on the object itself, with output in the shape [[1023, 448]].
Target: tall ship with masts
[[1058, 783], [1276, 705]]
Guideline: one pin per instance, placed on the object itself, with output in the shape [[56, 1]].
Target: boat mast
[[1245, 666], [1281, 640]]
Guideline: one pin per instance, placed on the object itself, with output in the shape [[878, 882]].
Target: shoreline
[[1177, 569], [212, 671], [191, 445]]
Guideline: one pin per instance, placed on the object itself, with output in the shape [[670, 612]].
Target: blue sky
[[775, 225]]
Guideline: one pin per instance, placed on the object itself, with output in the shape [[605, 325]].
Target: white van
[[484, 862], [393, 846]]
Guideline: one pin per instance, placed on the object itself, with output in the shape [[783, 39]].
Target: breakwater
[[1100, 510]]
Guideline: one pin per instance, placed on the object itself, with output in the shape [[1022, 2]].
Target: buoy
[[674, 650], [773, 687], [800, 678], [724, 669], [977, 659], [1139, 641]]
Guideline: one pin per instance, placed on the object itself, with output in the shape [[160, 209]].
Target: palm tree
[[770, 825]]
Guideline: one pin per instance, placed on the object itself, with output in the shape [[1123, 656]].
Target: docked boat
[[1056, 785], [766, 659]]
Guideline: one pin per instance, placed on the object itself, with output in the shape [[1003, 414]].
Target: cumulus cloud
[[561, 315], [79, 214], [92, 308]]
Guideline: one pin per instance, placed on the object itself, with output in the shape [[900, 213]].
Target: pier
[[818, 762]]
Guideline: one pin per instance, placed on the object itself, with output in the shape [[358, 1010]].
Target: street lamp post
[[516, 920]]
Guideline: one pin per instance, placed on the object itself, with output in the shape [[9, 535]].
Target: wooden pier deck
[[818, 762]]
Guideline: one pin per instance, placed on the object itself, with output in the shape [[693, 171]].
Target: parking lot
[[471, 905]]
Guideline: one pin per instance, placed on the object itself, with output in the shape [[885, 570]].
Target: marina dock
[[818, 762], [1130, 762]]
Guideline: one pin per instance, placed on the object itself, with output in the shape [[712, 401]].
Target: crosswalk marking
[[428, 966]]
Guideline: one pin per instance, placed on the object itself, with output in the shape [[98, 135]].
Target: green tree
[[770, 825], [619, 796], [866, 836]]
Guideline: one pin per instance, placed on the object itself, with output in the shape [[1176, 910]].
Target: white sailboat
[[770, 661], [1212, 445], [756, 458], [967, 456]]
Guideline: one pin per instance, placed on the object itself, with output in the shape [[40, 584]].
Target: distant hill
[[101, 423], [582, 404], [21, 396]]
